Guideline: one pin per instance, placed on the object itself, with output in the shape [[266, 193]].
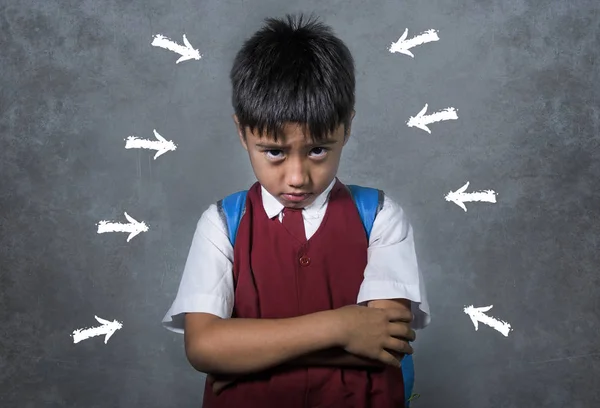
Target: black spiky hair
[[293, 71]]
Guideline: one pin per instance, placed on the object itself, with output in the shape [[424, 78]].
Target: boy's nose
[[297, 174]]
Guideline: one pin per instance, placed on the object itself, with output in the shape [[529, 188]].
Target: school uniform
[[281, 269]]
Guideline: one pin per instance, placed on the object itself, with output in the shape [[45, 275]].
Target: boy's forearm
[[338, 357], [334, 357], [243, 346]]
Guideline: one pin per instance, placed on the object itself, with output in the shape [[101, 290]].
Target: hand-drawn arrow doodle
[[477, 314], [459, 196], [107, 328], [403, 45], [421, 120], [187, 52], [161, 145], [133, 227]]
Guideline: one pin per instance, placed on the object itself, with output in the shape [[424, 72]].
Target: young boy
[[303, 311]]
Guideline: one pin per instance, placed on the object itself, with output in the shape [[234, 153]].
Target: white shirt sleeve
[[207, 281], [392, 270]]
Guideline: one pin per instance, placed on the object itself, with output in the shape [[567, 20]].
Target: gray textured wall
[[78, 77]]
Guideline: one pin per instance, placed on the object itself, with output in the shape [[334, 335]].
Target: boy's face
[[294, 165]]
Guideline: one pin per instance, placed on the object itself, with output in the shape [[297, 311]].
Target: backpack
[[367, 202]]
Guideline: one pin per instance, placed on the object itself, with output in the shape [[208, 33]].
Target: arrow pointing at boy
[[161, 145], [187, 52], [107, 328], [477, 315], [421, 120], [133, 227], [459, 196], [403, 45]]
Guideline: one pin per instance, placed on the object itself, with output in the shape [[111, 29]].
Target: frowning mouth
[[296, 197]]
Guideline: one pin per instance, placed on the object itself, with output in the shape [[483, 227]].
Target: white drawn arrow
[[421, 120], [107, 328], [477, 314], [187, 52], [161, 145], [459, 196], [403, 45], [133, 227]]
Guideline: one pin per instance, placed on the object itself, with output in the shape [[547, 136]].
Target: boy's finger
[[401, 315], [402, 331], [391, 359], [219, 385]]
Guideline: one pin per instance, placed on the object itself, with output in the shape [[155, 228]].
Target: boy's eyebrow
[[278, 146]]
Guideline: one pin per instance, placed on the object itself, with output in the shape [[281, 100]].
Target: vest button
[[304, 260]]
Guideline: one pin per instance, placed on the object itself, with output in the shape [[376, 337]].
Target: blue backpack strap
[[408, 375], [369, 202], [231, 209]]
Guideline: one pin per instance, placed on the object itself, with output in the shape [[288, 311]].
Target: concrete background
[[78, 77]]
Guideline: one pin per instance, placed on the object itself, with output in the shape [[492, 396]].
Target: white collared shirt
[[392, 270]]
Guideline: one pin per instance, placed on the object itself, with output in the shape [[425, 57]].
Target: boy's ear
[[239, 131], [349, 130]]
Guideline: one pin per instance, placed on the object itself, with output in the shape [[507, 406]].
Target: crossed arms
[[269, 343]]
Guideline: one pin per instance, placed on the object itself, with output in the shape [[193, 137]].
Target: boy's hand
[[391, 304], [221, 383], [371, 331]]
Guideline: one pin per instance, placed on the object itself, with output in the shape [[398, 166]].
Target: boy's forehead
[[292, 131]]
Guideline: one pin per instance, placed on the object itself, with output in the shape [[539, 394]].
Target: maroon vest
[[271, 282]]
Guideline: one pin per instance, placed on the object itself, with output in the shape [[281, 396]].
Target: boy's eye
[[272, 153], [276, 154], [321, 151]]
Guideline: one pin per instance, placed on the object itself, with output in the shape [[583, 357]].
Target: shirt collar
[[273, 207]]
